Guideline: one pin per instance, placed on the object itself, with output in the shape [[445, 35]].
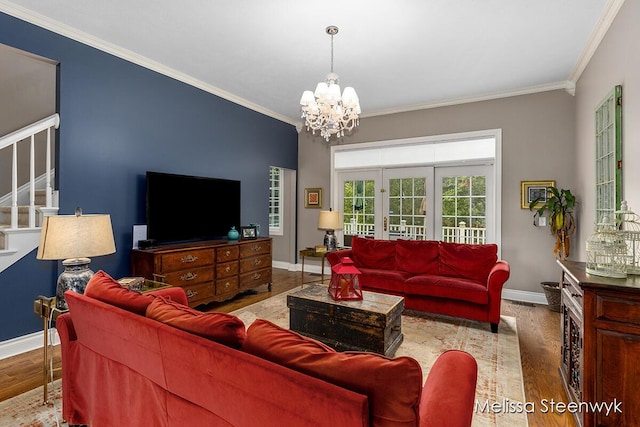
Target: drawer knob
[[188, 276], [256, 248], [228, 269], [257, 262], [188, 258], [191, 294], [227, 285], [256, 276], [228, 253]]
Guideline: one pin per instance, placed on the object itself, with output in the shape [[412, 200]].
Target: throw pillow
[[469, 261], [393, 385], [373, 253], [224, 328], [106, 289], [417, 256]]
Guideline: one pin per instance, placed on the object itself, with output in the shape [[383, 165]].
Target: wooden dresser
[[600, 356], [208, 271]]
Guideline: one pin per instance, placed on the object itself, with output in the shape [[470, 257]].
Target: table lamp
[[330, 221], [74, 238]]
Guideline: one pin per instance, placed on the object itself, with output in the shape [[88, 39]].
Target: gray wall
[[537, 144], [616, 61], [27, 94]]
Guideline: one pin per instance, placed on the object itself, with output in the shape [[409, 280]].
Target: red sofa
[[460, 280], [142, 359]]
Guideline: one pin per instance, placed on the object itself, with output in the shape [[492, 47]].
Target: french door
[[418, 203]]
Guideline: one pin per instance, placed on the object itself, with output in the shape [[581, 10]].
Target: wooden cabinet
[[208, 271], [600, 358]]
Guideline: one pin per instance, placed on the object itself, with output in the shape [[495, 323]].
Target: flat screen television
[[182, 208]]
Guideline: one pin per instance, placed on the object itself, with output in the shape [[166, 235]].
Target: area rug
[[426, 336], [28, 410], [500, 386]]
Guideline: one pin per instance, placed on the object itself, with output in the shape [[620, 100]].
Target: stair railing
[[11, 140]]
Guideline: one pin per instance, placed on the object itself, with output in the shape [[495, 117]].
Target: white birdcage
[[629, 228], [606, 251]]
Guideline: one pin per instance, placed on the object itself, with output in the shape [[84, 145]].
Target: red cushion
[[469, 261], [224, 328], [372, 253], [447, 287], [417, 256], [393, 386], [104, 288]]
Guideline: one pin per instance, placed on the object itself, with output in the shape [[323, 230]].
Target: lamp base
[[75, 277], [330, 240]]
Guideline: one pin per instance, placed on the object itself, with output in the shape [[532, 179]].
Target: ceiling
[[399, 56]]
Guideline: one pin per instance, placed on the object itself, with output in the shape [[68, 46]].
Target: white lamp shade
[[321, 90], [76, 236], [349, 96], [330, 220], [334, 92], [307, 98]]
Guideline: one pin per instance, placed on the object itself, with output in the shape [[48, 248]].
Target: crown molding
[[82, 37], [564, 85], [606, 19]]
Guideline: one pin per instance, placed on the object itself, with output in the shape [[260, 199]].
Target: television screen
[[183, 208]]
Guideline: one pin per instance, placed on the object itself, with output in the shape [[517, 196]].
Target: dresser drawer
[[226, 269], [618, 308], [255, 278], [199, 293], [255, 248], [182, 260], [227, 253], [227, 285], [255, 263], [189, 276]]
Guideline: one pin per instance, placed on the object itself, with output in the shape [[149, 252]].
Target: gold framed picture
[[313, 197], [532, 190]]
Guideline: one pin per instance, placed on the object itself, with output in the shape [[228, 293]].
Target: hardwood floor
[[538, 331]]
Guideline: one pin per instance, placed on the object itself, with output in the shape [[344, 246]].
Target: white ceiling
[[398, 55]]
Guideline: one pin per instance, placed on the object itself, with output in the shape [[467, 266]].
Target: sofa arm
[[448, 396], [175, 293], [497, 278], [334, 257]]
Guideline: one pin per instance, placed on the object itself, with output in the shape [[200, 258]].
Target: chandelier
[[325, 110]]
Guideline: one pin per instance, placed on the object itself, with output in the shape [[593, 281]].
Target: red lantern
[[344, 283]]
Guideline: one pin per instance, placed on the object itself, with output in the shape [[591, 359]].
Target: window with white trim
[[275, 201]]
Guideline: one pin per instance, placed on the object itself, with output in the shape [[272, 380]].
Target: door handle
[[384, 226]]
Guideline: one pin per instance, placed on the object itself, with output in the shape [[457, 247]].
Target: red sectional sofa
[[131, 359], [461, 280]]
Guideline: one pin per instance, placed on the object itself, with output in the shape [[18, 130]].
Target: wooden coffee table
[[372, 324]]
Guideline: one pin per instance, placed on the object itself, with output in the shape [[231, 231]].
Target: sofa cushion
[[469, 261], [417, 256], [393, 386], [447, 287], [106, 289], [372, 253], [383, 280], [224, 328]]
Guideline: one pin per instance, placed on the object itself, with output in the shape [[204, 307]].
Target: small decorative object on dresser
[[233, 234], [249, 232]]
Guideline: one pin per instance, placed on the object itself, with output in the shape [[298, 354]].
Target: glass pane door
[[408, 210], [464, 202], [360, 204]]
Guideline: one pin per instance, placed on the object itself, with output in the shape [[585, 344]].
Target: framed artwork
[[313, 197], [532, 190], [248, 232]]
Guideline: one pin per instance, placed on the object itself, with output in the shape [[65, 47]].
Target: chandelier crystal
[[325, 110]]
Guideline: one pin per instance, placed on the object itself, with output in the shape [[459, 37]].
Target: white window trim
[[277, 231]]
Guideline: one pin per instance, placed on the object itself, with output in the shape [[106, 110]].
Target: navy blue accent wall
[[119, 120]]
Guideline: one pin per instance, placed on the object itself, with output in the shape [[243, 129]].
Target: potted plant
[[559, 205]]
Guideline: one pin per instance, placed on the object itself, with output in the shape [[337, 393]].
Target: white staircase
[[24, 207]]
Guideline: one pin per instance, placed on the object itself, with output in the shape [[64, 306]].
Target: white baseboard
[[524, 296], [25, 343]]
